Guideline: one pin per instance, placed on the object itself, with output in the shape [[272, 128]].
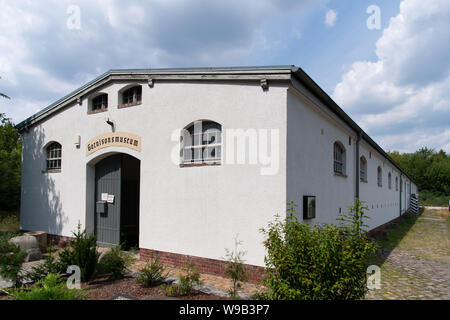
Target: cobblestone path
[[418, 267]]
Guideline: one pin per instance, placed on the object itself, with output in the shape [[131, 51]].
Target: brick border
[[205, 265]]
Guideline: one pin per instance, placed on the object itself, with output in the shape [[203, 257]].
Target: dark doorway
[[117, 180]]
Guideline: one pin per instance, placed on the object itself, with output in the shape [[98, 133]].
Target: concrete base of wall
[[205, 265]]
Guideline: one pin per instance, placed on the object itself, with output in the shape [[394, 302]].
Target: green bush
[[51, 265], [11, 260], [49, 288], [115, 262], [82, 252], [323, 262], [189, 278], [235, 268], [152, 274]]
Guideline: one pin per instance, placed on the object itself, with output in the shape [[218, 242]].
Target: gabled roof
[[283, 72]]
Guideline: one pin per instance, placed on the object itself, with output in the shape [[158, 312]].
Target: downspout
[[400, 193], [358, 139]]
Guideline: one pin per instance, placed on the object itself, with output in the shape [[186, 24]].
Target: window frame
[[133, 91], [100, 95], [363, 169], [339, 159], [192, 139], [379, 176], [53, 160]]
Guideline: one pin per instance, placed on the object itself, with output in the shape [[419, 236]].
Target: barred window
[[100, 102], [339, 158], [132, 95], [201, 142], [54, 154], [363, 169], [379, 177]]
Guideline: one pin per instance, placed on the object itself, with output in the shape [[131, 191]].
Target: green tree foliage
[[52, 287], [321, 262], [10, 165], [11, 260], [82, 252], [429, 169]]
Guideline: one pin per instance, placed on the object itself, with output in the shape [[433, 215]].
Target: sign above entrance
[[114, 139]]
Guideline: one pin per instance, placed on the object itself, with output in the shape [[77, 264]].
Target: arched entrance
[[116, 214]]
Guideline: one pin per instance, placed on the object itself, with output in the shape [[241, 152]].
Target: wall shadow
[[40, 206]]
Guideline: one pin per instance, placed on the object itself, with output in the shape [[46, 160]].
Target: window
[[100, 102], [396, 183], [201, 142], [54, 154], [389, 181], [339, 158], [131, 97], [363, 169], [379, 177]]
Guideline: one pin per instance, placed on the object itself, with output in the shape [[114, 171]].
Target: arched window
[[54, 154], [339, 158], [389, 181], [363, 169], [379, 177], [201, 142], [396, 183], [130, 97], [100, 102]]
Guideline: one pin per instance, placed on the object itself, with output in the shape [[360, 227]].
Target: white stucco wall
[[311, 136], [182, 210], [383, 203]]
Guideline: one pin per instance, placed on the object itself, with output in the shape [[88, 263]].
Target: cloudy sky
[[391, 75]]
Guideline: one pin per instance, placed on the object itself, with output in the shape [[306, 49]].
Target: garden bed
[[104, 289]]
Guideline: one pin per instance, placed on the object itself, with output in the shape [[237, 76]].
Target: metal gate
[[108, 183]]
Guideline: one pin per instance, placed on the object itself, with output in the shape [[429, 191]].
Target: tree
[[430, 170], [10, 164]]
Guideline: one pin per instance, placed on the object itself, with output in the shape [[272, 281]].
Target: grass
[[427, 198], [9, 222], [425, 236]]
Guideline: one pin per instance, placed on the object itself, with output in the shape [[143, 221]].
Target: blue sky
[[394, 82]]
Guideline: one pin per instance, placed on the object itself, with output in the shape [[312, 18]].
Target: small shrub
[[189, 278], [82, 251], [11, 260], [49, 288], [324, 262], [152, 274], [235, 268], [51, 265], [115, 262]]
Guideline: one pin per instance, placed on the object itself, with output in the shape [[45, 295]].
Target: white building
[[113, 156]]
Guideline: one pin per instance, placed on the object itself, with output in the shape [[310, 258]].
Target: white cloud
[[330, 18], [42, 59], [403, 98]]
